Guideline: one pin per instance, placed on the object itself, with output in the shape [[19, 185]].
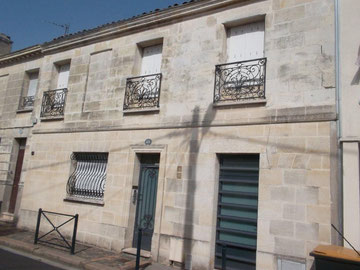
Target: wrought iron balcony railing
[[53, 103], [142, 92], [240, 81], [89, 175], [27, 102]]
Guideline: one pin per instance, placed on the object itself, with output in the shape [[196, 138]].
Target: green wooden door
[[146, 204], [237, 211]]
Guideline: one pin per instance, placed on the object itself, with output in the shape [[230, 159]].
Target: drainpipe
[[339, 115]]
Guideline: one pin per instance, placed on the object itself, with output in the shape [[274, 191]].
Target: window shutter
[[151, 60], [33, 82], [237, 211], [63, 76], [246, 42]]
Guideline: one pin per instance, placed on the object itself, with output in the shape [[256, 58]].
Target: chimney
[[5, 44]]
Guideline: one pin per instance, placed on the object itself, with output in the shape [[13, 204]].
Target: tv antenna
[[65, 26]]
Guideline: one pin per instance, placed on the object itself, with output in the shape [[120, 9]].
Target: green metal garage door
[[237, 211]]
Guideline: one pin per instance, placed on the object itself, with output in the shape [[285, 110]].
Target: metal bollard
[[37, 226], [74, 234], [137, 266]]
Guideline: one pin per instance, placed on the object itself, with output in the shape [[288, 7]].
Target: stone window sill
[[84, 201], [260, 102], [55, 118], [148, 110], [24, 110]]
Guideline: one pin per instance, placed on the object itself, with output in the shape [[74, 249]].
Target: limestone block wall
[[294, 211], [293, 132], [299, 48], [13, 124]]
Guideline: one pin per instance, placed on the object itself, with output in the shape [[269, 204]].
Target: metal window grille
[[89, 175], [240, 81], [142, 92]]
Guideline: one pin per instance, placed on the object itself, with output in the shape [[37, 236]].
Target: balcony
[[240, 81], [26, 103], [53, 103], [142, 93]]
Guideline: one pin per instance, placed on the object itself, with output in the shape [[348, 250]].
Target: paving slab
[[85, 257]]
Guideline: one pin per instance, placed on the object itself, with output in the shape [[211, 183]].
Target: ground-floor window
[[236, 229], [87, 179]]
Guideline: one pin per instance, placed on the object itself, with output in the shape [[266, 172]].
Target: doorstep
[[132, 251]]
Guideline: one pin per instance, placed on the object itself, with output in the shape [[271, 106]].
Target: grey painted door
[[146, 204]]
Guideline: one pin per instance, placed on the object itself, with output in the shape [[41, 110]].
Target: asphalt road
[[13, 261]]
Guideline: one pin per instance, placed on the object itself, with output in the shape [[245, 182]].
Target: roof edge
[[105, 32], [20, 54], [140, 22]]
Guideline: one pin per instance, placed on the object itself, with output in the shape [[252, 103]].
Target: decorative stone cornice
[[20, 55]]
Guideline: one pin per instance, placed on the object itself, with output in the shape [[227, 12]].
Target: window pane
[[151, 60], [33, 82], [63, 76]]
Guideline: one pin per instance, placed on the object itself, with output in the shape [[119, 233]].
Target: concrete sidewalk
[[85, 257]]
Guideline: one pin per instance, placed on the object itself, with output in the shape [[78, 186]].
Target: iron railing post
[[137, 266], [223, 257], [74, 234], [37, 226]]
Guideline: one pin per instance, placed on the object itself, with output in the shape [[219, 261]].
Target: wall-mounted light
[[148, 142]]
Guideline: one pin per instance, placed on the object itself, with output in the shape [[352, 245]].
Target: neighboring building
[[5, 44], [141, 122], [349, 85]]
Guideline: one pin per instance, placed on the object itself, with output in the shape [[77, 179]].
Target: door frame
[[133, 173]]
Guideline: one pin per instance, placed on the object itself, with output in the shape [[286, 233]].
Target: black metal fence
[[41, 239], [240, 81], [142, 92], [53, 103]]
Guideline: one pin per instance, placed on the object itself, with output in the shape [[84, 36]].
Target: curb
[[60, 257]]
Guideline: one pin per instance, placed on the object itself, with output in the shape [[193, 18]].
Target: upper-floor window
[[245, 42], [63, 76], [53, 102], [151, 60], [242, 78], [144, 91], [30, 88]]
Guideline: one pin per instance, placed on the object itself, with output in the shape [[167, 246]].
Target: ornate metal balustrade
[[89, 175], [142, 92], [240, 81], [27, 102], [53, 103]]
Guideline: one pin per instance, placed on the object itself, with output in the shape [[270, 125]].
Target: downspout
[[338, 126]]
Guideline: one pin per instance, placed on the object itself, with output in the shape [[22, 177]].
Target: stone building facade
[[251, 164]]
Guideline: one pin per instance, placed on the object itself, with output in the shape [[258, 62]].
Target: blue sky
[[27, 21]]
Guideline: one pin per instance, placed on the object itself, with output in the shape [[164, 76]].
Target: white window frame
[[33, 84], [63, 76], [246, 42], [151, 60]]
